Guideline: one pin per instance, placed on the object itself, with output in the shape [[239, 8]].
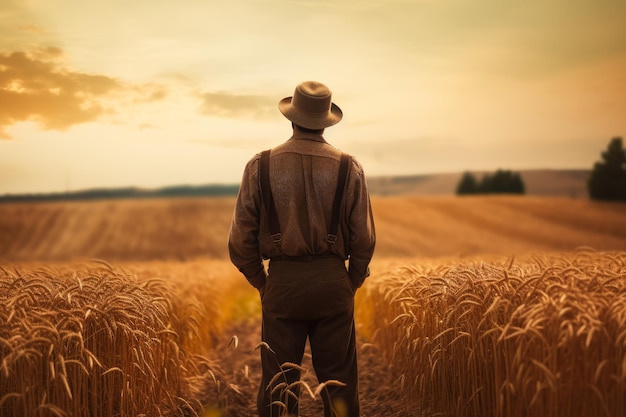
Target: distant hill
[[129, 192], [544, 182], [556, 183]]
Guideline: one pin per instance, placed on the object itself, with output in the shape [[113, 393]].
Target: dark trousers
[[313, 299]]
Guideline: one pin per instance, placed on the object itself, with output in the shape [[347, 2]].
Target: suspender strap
[[268, 199], [341, 185]]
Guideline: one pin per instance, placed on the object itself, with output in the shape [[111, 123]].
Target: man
[[301, 210]]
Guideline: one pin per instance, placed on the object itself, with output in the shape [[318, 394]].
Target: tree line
[[501, 182], [606, 182]]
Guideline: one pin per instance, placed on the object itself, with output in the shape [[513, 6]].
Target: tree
[[505, 182], [608, 178], [501, 182], [467, 185], [517, 184]]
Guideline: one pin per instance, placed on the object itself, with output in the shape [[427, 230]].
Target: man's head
[[311, 106]]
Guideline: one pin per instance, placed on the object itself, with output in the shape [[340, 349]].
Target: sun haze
[[145, 93]]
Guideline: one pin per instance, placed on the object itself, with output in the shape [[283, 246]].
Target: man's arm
[[243, 239], [362, 232]]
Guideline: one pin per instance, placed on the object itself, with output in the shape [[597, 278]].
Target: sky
[[151, 93]]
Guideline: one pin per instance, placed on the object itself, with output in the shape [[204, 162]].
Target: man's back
[[303, 174]]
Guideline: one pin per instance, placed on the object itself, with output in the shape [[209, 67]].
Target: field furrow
[[406, 227]]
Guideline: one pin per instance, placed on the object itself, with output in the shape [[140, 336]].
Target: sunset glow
[[153, 93]]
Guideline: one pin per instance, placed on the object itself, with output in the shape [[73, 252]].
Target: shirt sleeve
[[243, 239], [362, 239]]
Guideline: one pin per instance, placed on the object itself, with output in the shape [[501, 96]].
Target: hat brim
[[308, 120]]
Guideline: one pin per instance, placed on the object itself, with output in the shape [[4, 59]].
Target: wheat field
[[544, 335], [500, 306]]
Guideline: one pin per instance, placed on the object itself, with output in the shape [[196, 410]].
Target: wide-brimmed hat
[[311, 106]]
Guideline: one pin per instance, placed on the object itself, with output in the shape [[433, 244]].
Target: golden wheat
[[535, 335], [538, 336], [95, 343]]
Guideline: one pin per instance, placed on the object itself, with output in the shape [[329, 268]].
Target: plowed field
[[183, 229]]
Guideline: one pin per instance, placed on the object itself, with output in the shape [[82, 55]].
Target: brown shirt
[[303, 175]]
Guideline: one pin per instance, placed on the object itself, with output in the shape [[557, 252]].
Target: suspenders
[[268, 200]]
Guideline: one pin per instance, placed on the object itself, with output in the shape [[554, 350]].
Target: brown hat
[[310, 106]]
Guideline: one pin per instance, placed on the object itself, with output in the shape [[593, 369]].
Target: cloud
[[35, 86], [33, 29], [223, 104]]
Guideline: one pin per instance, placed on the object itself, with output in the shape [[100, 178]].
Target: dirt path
[[241, 367]]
